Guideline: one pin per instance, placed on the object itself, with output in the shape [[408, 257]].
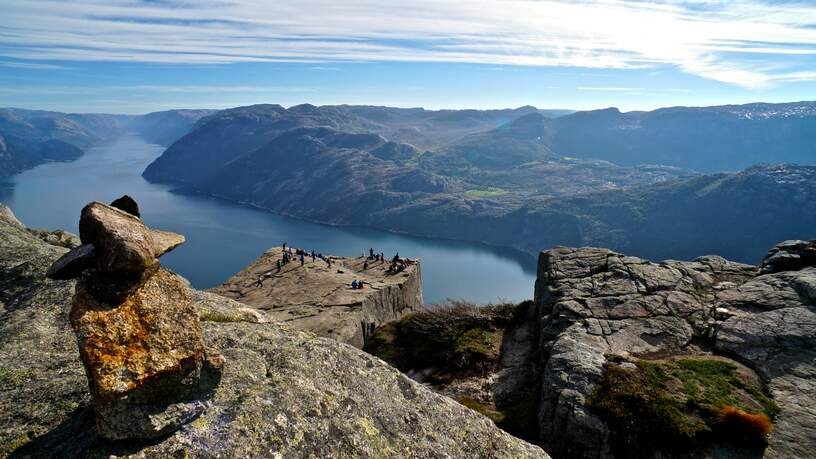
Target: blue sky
[[126, 56]]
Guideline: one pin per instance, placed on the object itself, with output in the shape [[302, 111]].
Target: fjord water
[[222, 237]]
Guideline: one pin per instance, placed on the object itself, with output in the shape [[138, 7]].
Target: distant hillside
[[166, 127], [605, 178], [229, 134], [30, 137], [708, 139]]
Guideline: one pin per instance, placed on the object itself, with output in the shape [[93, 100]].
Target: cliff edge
[[317, 296]]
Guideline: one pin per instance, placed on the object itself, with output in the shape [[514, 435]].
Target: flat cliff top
[[315, 283], [318, 297], [284, 393]]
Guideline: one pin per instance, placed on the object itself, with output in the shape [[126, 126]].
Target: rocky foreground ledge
[[676, 341], [283, 393], [317, 295]]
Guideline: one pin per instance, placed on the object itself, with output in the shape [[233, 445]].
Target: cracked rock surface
[[593, 303]]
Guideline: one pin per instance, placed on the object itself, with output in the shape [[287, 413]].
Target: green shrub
[[456, 336]]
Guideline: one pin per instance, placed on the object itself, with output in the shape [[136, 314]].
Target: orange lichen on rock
[[741, 426], [126, 344]]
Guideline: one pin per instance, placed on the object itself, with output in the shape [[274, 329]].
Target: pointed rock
[[165, 241], [127, 204]]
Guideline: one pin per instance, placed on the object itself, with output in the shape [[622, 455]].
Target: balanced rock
[[127, 204], [138, 331], [123, 243]]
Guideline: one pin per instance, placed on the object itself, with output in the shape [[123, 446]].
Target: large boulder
[[145, 357], [773, 326], [123, 243]]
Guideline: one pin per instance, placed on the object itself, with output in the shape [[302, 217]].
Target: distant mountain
[[323, 174], [31, 137], [164, 128], [605, 178], [708, 139], [229, 134]]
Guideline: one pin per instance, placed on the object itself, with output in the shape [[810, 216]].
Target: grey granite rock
[[789, 256], [594, 303], [283, 393]]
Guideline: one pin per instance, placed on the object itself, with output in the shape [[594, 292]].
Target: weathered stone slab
[[73, 263]]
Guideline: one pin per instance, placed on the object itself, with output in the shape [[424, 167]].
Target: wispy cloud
[[32, 65], [749, 43]]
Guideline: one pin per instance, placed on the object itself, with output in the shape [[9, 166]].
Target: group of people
[[398, 264], [290, 254], [373, 257]]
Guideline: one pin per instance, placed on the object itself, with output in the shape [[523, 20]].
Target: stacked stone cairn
[[138, 331]]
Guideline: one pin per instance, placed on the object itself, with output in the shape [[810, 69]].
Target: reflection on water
[[222, 238]]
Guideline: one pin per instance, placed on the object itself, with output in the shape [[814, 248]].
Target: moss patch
[[10, 379], [674, 404], [491, 412]]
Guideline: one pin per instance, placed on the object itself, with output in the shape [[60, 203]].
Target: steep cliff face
[[317, 296], [283, 393]]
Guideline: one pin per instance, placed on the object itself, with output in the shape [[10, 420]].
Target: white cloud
[[743, 42]]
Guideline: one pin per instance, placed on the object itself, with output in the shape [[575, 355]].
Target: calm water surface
[[222, 238]]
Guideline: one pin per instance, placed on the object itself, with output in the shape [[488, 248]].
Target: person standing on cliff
[[301, 258]]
